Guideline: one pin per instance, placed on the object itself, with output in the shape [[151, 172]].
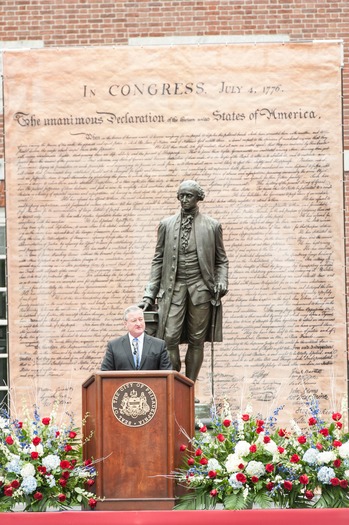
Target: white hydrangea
[[325, 457], [271, 447], [343, 451], [51, 481], [255, 468], [51, 462], [213, 464], [27, 470], [3, 423], [346, 474], [39, 449], [242, 448], [232, 463]]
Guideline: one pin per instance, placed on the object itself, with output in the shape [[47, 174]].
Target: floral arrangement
[[247, 460], [41, 464]]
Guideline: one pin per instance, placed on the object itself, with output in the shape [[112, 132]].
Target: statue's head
[[191, 186]]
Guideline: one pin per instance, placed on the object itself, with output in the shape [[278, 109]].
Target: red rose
[[203, 428], [343, 483], [312, 421], [266, 439], [213, 493], [72, 434], [303, 479], [203, 461], [337, 463], [281, 450], [245, 417], [288, 485], [241, 466], [212, 474], [254, 479], [339, 424], [198, 452], [15, 484], [57, 433], [259, 430], [92, 503], [253, 448], [62, 482], [227, 422], [191, 461], [42, 469], [295, 458], [259, 422], [19, 424], [64, 464], [8, 491], [73, 462], [220, 438], [269, 467], [68, 448], [282, 432], [61, 497], [241, 477], [34, 455], [37, 496], [270, 485], [324, 431], [65, 474], [90, 482], [309, 494], [302, 440], [9, 440], [87, 462], [336, 416], [334, 481], [182, 448], [45, 421], [36, 441], [337, 443], [319, 446]]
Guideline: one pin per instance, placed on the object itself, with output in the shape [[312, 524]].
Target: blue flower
[[310, 456], [325, 475], [233, 482], [29, 484], [14, 466]]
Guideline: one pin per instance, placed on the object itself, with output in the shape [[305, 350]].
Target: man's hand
[[220, 290], [146, 304]]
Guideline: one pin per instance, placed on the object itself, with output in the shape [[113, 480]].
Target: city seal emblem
[[134, 404]]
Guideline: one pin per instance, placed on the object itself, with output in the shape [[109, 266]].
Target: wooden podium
[[138, 420]]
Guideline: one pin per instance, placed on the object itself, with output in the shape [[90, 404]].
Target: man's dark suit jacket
[[119, 355]]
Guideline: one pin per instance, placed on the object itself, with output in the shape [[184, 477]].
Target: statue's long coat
[[213, 263]]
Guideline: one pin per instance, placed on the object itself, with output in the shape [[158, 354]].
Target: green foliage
[[41, 463], [249, 461]]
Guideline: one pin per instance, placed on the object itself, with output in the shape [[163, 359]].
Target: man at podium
[[136, 350]]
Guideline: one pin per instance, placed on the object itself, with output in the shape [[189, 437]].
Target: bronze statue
[[189, 275]]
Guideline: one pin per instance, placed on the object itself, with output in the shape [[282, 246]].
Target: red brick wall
[[98, 22]]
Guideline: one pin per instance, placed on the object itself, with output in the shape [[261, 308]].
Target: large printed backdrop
[[98, 140]]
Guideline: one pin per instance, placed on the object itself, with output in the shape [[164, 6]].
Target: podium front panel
[[138, 420]]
